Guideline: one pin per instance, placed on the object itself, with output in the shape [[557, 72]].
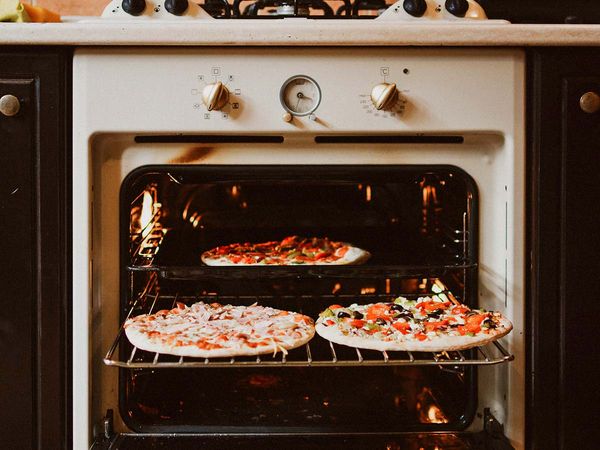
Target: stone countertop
[[297, 32]]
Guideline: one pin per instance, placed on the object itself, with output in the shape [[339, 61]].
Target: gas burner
[[283, 8], [219, 9], [372, 8], [400, 11]]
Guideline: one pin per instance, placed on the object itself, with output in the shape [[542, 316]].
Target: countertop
[[297, 32]]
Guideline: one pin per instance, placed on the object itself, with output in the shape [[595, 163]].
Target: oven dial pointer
[[384, 95], [215, 96]]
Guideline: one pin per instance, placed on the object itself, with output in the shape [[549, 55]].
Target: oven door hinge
[[104, 433], [492, 437]]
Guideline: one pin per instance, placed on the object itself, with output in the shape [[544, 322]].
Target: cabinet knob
[[9, 105], [590, 102]]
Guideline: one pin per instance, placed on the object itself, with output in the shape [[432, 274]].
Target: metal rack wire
[[318, 352]]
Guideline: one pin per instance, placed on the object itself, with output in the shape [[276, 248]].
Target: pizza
[[426, 324], [214, 330], [292, 250]]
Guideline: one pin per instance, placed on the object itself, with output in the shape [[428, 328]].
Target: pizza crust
[[160, 332], [404, 343], [354, 255]]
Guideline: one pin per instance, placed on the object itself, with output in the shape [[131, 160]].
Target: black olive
[[404, 314], [343, 314], [434, 315], [490, 323], [396, 307], [454, 325], [380, 321], [357, 315]]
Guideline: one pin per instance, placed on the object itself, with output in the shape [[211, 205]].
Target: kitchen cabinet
[[35, 248], [564, 308]]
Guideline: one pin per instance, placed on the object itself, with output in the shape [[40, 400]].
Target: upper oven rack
[[318, 352], [182, 273]]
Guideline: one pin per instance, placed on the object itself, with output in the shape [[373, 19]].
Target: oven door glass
[[419, 223]]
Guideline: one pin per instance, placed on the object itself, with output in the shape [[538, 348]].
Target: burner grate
[[318, 352]]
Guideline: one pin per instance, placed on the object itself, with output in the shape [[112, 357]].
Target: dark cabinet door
[[33, 249], [564, 306]]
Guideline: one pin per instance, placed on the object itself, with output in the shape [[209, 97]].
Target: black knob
[[457, 8], [134, 7], [415, 8], [176, 7]]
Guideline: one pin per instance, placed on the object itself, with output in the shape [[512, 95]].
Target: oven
[[177, 151]]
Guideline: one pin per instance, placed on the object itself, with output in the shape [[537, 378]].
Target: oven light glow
[[336, 288], [235, 190], [368, 193], [368, 290], [435, 415], [147, 213]]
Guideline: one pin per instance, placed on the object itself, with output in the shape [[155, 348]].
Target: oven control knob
[[457, 8], [384, 95], [176, 7], [133, 7], [215, 95], [415, 8]]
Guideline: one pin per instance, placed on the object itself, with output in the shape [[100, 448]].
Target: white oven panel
[[121, 93], [161, 90]]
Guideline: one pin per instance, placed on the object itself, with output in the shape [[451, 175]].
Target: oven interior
[[419, 222]]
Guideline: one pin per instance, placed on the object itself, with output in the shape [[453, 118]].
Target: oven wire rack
[[319, 352]]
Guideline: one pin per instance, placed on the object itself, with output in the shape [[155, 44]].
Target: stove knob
[[215, 96], [134, 7], [384, 95], [457, 8], [176, 7], [415, 8]]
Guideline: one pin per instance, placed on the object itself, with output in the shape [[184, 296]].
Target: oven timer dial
[[384, 96], [300, 95], [215, 96]]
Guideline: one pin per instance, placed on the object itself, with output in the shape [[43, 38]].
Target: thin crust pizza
[[214, 330], [426, 324], [293, 250]]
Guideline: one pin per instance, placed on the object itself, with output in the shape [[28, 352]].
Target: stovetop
[[448, 11]]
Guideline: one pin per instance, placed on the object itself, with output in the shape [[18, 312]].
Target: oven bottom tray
[[318, 352]]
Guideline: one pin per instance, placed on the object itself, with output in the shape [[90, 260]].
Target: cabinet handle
[[590, 102], [9, 105]]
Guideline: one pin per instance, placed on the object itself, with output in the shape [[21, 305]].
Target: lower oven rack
[[319, 352]]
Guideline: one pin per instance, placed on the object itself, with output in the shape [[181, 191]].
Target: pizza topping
[[423, 319], [234, 329], [290, 250]]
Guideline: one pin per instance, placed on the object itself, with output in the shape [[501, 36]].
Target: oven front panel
[[108, 148]]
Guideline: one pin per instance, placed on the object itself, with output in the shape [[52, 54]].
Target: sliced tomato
[[378, 310], [432, 326], [357, 323], [235, 258], [288, 241], [420, 336], [473, 323], [341, 252], [460, 309], [431, 306], [329, 323], [462, 330], [402, 327], [321, 255]]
